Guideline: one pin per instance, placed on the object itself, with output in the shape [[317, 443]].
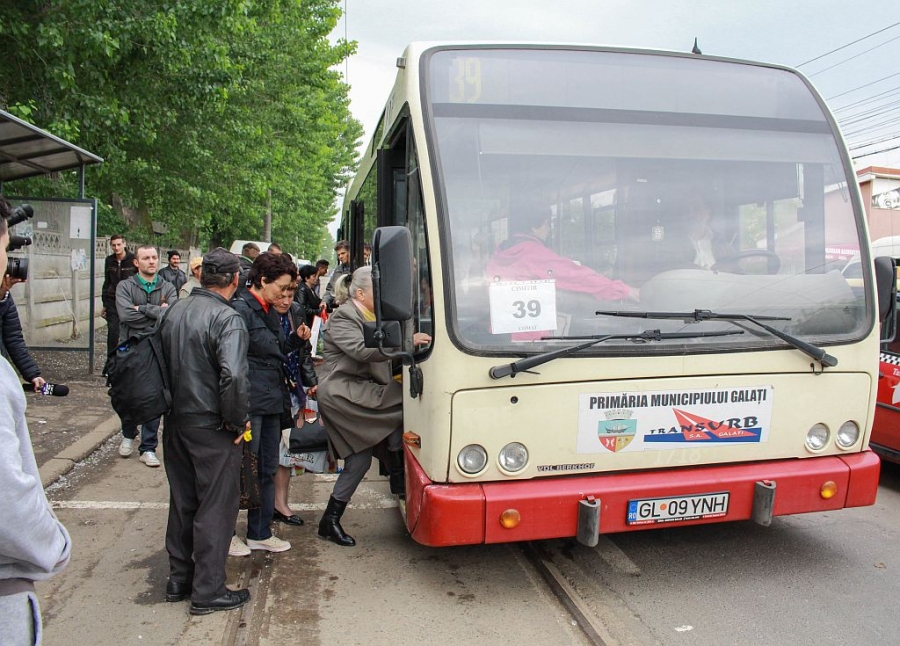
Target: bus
[[622, 257]]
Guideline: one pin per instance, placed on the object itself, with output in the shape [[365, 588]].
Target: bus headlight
[[847, 434], [513, 457], [472, 459], [817, 437]]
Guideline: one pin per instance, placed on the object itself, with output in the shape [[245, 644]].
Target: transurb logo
[[617, 430], [702, 430]]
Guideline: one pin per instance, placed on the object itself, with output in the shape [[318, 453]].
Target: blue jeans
[[266, 443], [149, 435]]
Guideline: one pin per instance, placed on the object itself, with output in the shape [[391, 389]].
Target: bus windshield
[[571, 181]]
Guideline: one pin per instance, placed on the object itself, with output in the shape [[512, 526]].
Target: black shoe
[[230, 600], [177, 591], [330, 525], [293, 519]]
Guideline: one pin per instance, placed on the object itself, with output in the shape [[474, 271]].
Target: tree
[[199, 107]]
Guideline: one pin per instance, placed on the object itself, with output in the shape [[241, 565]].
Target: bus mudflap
[[763, 502], [588, 532]]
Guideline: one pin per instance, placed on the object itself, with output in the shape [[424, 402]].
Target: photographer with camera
[[34, 545], [12, 342]]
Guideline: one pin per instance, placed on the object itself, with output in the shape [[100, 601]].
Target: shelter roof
[[27, 151]]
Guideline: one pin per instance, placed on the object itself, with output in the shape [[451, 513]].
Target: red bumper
[[463, 514]]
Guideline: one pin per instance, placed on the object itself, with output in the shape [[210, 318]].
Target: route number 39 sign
[[523, 306]]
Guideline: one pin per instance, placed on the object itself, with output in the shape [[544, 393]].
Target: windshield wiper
[[523, 365], [698, 316]]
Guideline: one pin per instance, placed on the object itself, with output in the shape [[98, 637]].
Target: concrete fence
[[54, 305]]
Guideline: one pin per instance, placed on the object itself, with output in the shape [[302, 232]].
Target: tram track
[[255, 575], [541, 561]]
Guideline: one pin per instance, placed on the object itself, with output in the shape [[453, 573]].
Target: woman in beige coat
[[360, 401]]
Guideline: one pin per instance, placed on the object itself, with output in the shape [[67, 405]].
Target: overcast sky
[[787, 32]]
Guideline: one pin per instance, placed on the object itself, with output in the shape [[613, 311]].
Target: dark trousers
[[149, 435], [112, 326], [266, 444], [203, 468]]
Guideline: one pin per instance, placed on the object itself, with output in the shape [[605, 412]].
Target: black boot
[[330, 525], [398, 472]]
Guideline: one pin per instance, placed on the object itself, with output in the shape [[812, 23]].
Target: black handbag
[[309, 437], [251, 498]]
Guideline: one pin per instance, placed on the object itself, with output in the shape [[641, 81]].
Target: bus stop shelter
[[62, 267]]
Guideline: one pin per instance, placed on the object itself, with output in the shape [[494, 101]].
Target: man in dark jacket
[[118, 266], [172, 272], [140, 301], [249, 252], [342, 249], [205, 342], [12, 342]]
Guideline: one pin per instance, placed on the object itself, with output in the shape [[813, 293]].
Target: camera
[[18, 267], [19, 214]]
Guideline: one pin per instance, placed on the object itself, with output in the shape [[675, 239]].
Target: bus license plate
[[680, 508]]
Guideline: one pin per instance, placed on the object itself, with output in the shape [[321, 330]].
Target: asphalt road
[[812, 579]]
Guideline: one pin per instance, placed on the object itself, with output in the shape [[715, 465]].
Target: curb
[[64, 461]]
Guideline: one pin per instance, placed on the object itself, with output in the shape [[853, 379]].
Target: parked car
[[885, 438]]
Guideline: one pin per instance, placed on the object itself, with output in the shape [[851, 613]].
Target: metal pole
[[93, 281]]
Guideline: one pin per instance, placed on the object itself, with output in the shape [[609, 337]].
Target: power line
[[848, 44], [863, 86], [876, 152], [871, 113], [872, 128], [854, 56], [871, 143], [861, 102]]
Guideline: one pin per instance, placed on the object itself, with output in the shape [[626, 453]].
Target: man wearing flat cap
[[194, 280], [205, 343]]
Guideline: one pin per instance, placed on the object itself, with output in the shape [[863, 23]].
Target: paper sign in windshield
[[673, 419], [523, 306]]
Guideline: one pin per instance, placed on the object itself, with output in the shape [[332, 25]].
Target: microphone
[[57, 390]]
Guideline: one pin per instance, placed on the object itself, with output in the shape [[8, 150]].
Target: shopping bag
[[316, 339], [311, 436], [251, 498]]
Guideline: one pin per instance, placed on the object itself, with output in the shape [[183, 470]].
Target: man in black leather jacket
[[205, 343]]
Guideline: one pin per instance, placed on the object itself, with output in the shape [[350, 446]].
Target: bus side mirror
[[886, 285], [392, 263], [391, 335], [392, 284]]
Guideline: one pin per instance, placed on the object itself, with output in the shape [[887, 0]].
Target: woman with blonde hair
[[360, 401]]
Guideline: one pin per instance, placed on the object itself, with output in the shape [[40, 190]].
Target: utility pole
[[267, 218]]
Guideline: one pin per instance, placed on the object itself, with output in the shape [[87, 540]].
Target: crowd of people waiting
[[237, 338], [236, 333]]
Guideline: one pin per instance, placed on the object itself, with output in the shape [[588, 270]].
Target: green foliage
[[199, 108]]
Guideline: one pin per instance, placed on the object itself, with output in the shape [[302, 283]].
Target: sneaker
[[237, 547], [271, 544], [149, 458], [126, 447]]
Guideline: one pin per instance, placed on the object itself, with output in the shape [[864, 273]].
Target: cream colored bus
[[622, 258]]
